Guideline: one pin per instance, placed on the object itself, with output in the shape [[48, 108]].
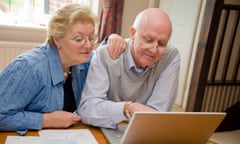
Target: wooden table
[[97, 133]]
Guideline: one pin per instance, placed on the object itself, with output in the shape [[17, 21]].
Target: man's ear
[[132, 32]]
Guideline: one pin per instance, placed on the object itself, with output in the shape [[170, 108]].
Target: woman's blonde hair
[[65, 17]]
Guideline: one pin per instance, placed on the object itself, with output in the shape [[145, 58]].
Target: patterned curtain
[[111, 18]]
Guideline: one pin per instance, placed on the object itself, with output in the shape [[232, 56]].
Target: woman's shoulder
[[36, 57], [38, 52]]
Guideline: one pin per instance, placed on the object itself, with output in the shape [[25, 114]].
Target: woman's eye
[[91, 38], [79, 39]]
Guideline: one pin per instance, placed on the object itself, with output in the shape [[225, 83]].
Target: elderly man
[[143, 79]]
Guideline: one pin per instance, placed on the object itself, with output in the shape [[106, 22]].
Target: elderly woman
[[42, 87]]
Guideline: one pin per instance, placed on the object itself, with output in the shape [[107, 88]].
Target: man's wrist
[[127, 113]]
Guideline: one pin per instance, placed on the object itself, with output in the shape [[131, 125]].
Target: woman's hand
[[116, 45], [59, 119]]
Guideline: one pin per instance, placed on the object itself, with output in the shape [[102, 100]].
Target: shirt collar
[[55, 65]]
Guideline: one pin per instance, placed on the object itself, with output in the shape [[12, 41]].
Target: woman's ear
[[57, 42]]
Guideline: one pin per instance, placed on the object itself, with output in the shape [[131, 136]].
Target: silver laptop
[[166, 127]]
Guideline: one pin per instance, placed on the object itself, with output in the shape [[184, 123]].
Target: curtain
[[111, 18]]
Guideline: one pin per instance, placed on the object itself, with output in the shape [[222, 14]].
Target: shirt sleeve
[[166, 88], [18, 86], [95, 109]]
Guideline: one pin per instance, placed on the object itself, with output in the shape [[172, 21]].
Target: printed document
[[79, 136]]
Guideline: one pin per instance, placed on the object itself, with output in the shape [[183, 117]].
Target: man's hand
[[138, 107], [59, 119], [116, 45]]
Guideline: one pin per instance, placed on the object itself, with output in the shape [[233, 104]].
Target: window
[[34, 12]]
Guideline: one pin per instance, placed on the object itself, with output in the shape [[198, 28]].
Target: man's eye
[[148, 40], [161, 44]]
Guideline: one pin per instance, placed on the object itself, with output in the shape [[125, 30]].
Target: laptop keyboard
[[114, 136]]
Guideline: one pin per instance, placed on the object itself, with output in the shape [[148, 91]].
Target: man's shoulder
[[172, 49], [103, 47], [172, 52]]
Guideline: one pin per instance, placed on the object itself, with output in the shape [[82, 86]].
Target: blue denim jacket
[[31, 85]]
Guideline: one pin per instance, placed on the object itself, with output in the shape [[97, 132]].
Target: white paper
[[82, 136], [39, 140], [23, 140]]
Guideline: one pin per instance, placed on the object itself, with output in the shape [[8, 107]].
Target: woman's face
[[77, 44]]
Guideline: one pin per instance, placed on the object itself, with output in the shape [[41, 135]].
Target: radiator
[[9, 50], [219, 98]]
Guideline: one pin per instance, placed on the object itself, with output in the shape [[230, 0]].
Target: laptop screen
[[167, 127]]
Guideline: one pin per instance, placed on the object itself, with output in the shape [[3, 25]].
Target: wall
[[15, 40], [130, 10], [22, 34], [185, 16]]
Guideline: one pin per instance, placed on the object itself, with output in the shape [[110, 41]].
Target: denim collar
[[55, 65]]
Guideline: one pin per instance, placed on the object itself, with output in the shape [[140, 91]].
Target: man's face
[[149, 46]]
